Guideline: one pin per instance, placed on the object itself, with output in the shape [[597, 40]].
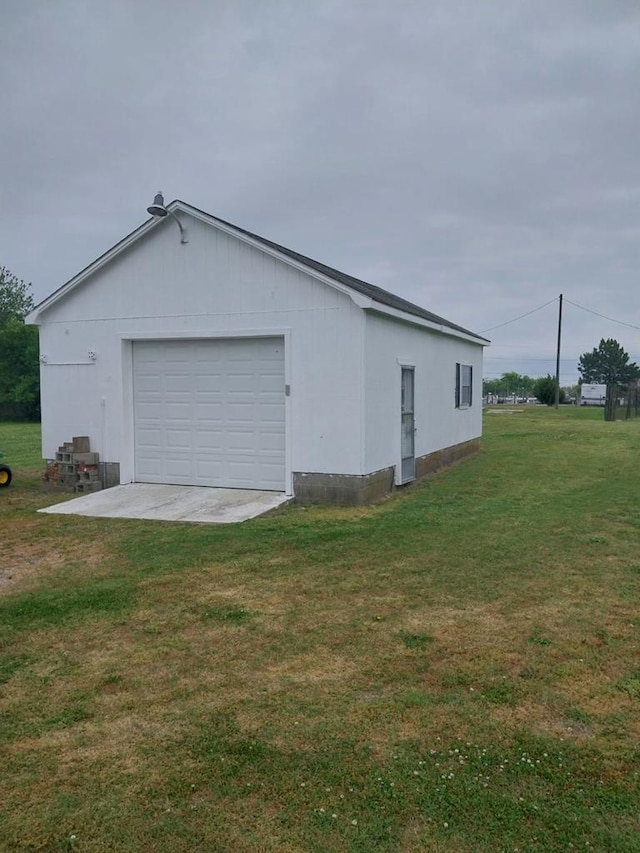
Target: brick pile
[[75, 468]]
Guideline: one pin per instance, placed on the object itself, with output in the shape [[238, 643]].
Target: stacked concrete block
[[76, 468]]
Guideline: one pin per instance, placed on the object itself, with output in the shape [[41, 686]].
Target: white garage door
[[210, 413]]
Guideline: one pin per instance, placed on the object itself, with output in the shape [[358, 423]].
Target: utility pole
[[558, 352]]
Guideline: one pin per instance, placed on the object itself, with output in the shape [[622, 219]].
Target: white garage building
[[230, 361]]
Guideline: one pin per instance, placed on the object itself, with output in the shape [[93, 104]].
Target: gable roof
[[371, 291]]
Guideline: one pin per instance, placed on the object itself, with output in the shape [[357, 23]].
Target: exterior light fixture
[[159, 211]]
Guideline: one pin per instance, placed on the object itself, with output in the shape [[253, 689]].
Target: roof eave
[[441, 328]]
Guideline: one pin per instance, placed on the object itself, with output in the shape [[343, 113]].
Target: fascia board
[[379, 308]]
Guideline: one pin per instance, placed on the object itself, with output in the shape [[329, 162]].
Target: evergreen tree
[[608, 364]]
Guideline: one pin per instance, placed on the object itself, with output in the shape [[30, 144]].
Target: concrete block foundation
[[342, 489], [357, 490]]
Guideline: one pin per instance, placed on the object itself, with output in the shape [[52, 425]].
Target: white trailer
[[593, 395]]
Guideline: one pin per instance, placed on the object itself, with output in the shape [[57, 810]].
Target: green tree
[[493, 386], [19, 368], [15, 299], [510, 383], [608, 364], [526, 385], [544, 390]]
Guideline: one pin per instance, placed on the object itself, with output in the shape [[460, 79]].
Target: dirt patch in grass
[[26, 559], [319, 667], [32, 563]]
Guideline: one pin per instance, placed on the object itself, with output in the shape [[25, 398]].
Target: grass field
[[454, 669]]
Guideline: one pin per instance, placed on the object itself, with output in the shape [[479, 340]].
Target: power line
[[604, 316], [521, 317], [504, 372], [527, 358], [575, 305]]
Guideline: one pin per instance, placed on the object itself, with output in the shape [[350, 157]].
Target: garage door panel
[[241, 383], [148, 411], [210, 412], [272, 442], [151, 466], [180, 439], [209, 439], [269, 384], [179, 469], [150, 437], [148, 384], [239, 441], [178, 384], [207, 383], [178, 411], [269, 413], [241, 411]]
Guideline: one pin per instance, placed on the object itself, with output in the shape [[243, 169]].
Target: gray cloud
[[477, 158]]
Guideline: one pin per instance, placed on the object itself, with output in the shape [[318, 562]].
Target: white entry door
[[210, 412]]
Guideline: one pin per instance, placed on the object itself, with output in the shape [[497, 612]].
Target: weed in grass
[[455, 678], [416, 641], [579, 716], [10, 665], [501, 693], [595, 540], [414, 699], [630, 685], [538, 639], [225, 613]]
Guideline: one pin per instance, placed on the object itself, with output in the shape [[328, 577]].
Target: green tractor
[[5, 474]]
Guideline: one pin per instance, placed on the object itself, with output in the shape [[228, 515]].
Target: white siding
[[215, 286], [388, 345]]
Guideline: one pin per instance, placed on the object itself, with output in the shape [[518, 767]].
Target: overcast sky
[[476, 157]]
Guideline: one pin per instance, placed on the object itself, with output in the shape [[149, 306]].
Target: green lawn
[[454, 669], [20, 442]]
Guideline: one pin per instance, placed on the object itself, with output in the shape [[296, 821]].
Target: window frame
[[464, 371]]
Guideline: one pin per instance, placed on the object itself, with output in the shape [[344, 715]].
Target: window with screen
[[464, 382]]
